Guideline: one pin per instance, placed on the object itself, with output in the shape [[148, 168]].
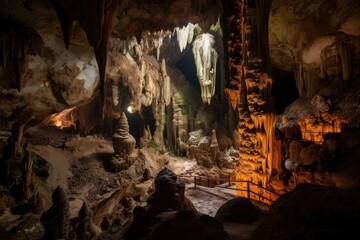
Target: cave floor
[[77, 164]]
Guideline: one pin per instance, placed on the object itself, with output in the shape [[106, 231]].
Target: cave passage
[[283, 89]]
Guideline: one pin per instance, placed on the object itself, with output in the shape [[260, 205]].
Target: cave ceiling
[[132, 17], [300, 30], [94, 22]]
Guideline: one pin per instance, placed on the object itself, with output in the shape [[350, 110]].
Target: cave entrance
[[284, 89], [136, 125], [138, 121]]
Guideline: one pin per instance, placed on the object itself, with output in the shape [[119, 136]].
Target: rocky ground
[[78, 165]]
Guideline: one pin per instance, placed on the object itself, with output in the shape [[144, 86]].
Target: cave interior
[[179, 119]]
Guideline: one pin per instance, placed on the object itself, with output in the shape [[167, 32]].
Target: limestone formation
[[250, 76], [325, 213], [123, 141], [214, 147], [205, 59], [56, 219], [119, 163], [85, 229], [168, 197]]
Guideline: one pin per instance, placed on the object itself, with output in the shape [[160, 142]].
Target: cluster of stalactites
[[305, 81], [205, 59], [184, 35], [266, 139]]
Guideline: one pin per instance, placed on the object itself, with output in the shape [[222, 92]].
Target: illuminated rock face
[[313, 128], [205, 59], [249, 80]]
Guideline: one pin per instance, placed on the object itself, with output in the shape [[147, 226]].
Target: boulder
[[239, 210], [312, 212]]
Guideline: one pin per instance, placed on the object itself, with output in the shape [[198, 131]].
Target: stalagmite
[[205, 59], [167, 83], [56, 218], [214, 146], [123, 141]]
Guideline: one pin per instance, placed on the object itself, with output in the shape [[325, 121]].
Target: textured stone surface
[[312, 212], [293, 36], [239, 210]]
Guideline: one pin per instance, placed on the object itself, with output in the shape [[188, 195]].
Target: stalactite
[[96, 18], [184, 35], [16, 42], [205, 59], [345, 61], [298, 72]]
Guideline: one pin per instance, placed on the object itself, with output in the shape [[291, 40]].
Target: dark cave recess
[[284, 89]]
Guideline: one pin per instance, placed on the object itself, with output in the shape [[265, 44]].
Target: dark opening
[[188, 68], [135, 125], [148, 119], [284, 89]]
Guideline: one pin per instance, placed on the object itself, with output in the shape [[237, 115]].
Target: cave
[[284, 89], [181, 119]]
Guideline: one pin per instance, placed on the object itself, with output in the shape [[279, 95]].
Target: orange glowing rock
[[61, 120], [313, 128], [232, 97]]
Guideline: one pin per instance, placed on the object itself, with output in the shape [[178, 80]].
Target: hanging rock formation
[[16, 43], [205, 59]]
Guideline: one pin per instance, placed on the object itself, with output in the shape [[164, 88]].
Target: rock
[[56, 219], [236, 138], [239, 210], [123, 142], [29, 228], [169, 191], [185, 225], [320, 103], [6, 200], [294, 151], [224, 142], [310, 155], [85, 229], [168, 196], [312, 212]]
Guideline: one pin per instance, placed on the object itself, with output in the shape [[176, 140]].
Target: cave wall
[[319, 42]]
